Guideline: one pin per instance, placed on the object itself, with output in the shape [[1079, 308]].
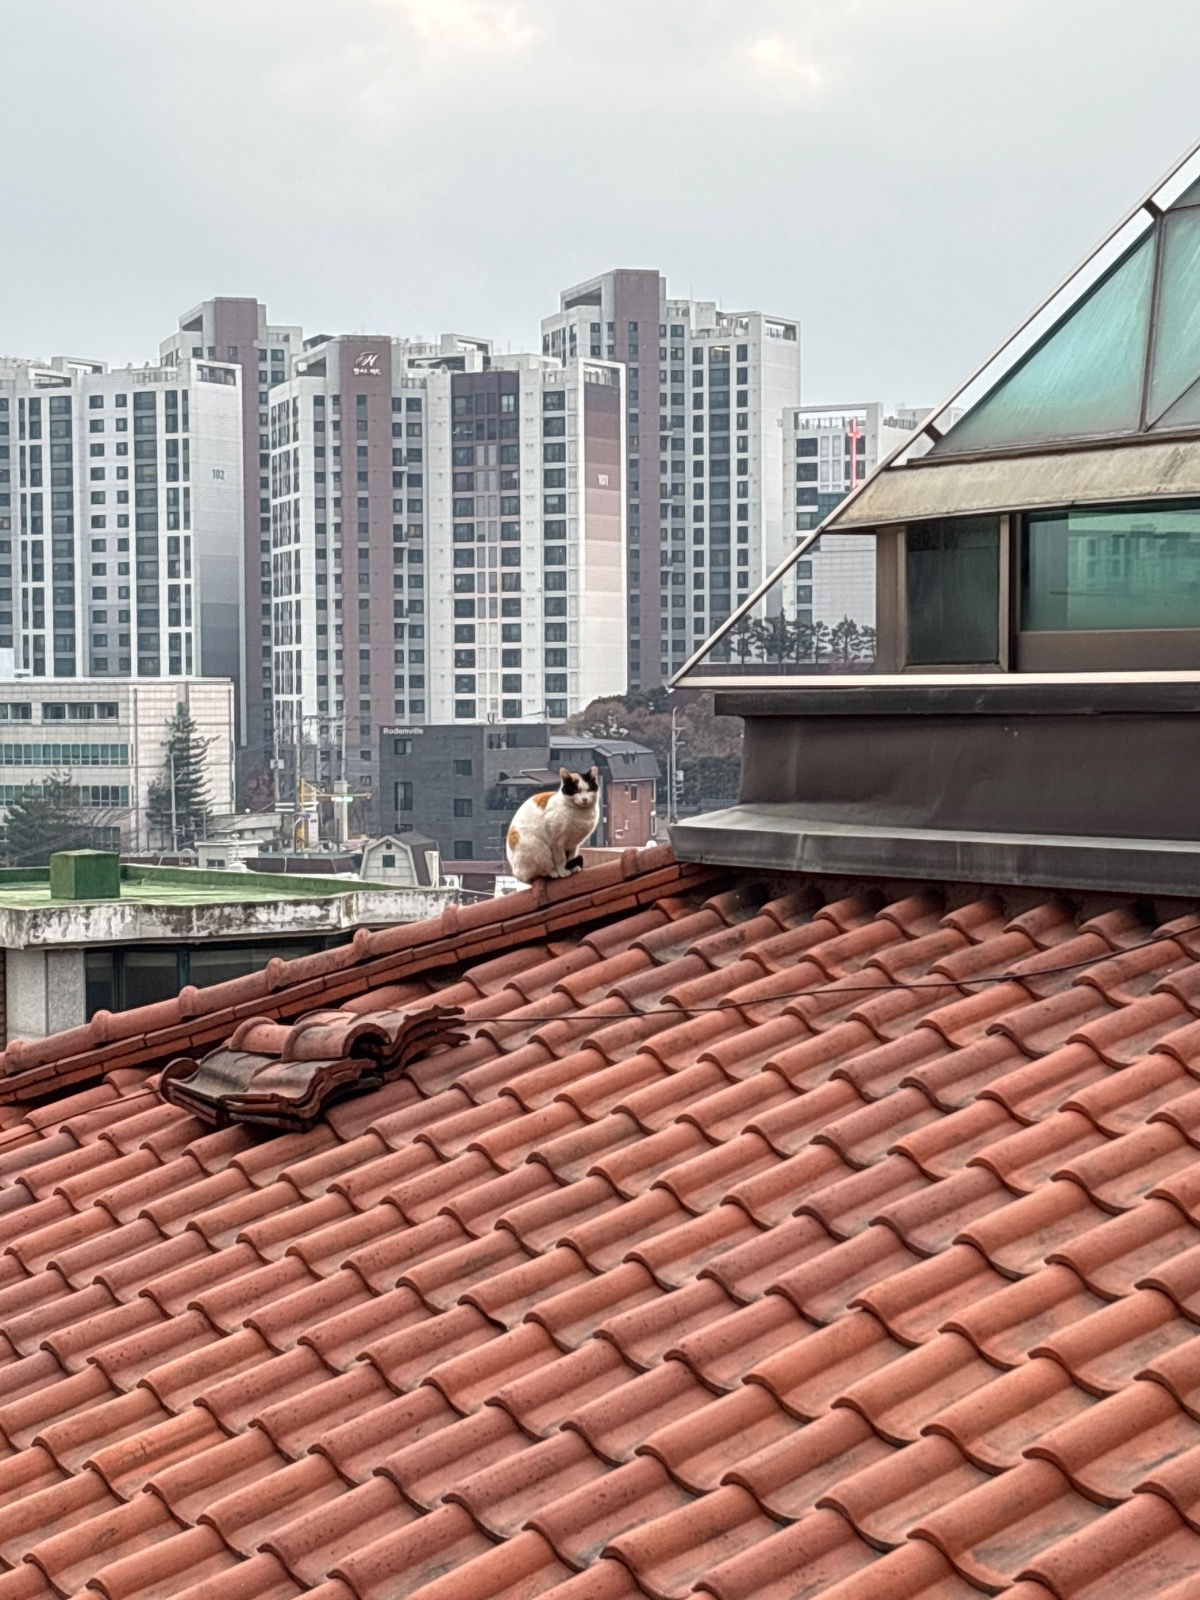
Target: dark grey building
[[455, 784], [461, 785]]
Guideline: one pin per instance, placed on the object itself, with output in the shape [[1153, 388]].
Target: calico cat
[[548, 828]]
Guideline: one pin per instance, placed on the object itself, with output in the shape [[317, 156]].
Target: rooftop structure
[[1026, 711], [150, 930]]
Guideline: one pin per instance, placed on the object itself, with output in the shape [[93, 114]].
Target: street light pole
[[174, 827], [673, 766]]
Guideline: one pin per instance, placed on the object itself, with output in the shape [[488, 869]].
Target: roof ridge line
[[636, 878]]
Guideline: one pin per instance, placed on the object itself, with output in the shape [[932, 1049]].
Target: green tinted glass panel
[[1184, 413], [1177, 330], [1138, 567], [952, 571], [1084, 379]]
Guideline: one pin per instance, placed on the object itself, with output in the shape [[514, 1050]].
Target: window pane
[[1085, 378], [953, 573], [149, 975], [1133, 568], [1177, 331]]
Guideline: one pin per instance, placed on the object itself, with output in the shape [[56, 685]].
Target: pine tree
[[178, 805], [42, 821]]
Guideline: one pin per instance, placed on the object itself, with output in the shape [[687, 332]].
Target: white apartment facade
[[238, 332], [108, 736], [706, 395], [437, 515], [120, 519]]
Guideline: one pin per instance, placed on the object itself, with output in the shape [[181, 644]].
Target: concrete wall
[[44, 992]]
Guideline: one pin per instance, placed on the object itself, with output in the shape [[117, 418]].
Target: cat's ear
[[564, 772], [594, 772]]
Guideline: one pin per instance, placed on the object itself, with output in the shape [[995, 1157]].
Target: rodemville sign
[[366, 364]]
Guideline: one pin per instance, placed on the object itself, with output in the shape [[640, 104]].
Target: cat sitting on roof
[[548, 829]]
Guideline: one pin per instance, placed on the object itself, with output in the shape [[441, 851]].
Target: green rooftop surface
[[28, 888]]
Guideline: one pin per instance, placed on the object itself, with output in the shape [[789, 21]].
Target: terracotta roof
[[761, 1242]]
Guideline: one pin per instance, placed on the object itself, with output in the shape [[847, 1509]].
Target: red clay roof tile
[[1007, 1323], [991, 1533], [750, 1269], [883, 1502], [1110, 1450], [1141, 1548], [595, 1251], [723, 1353], [1116, 1254], [1106, 1350], [579, 1524], [671, 1553], [998, 1423], [790, 1475], [915, 1302], [575, 1314], [822, 1289]]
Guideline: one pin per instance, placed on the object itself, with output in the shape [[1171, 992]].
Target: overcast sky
[[905, 176]]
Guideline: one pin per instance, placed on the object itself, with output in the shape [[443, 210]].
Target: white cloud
[[494, 29], [782, 61]]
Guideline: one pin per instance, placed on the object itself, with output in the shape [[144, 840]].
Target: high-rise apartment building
[[447, 543], [705, 397], [237, 332], [120, 519], [828, 450]]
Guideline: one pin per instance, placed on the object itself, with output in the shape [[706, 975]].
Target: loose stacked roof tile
[[756, 1242]]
